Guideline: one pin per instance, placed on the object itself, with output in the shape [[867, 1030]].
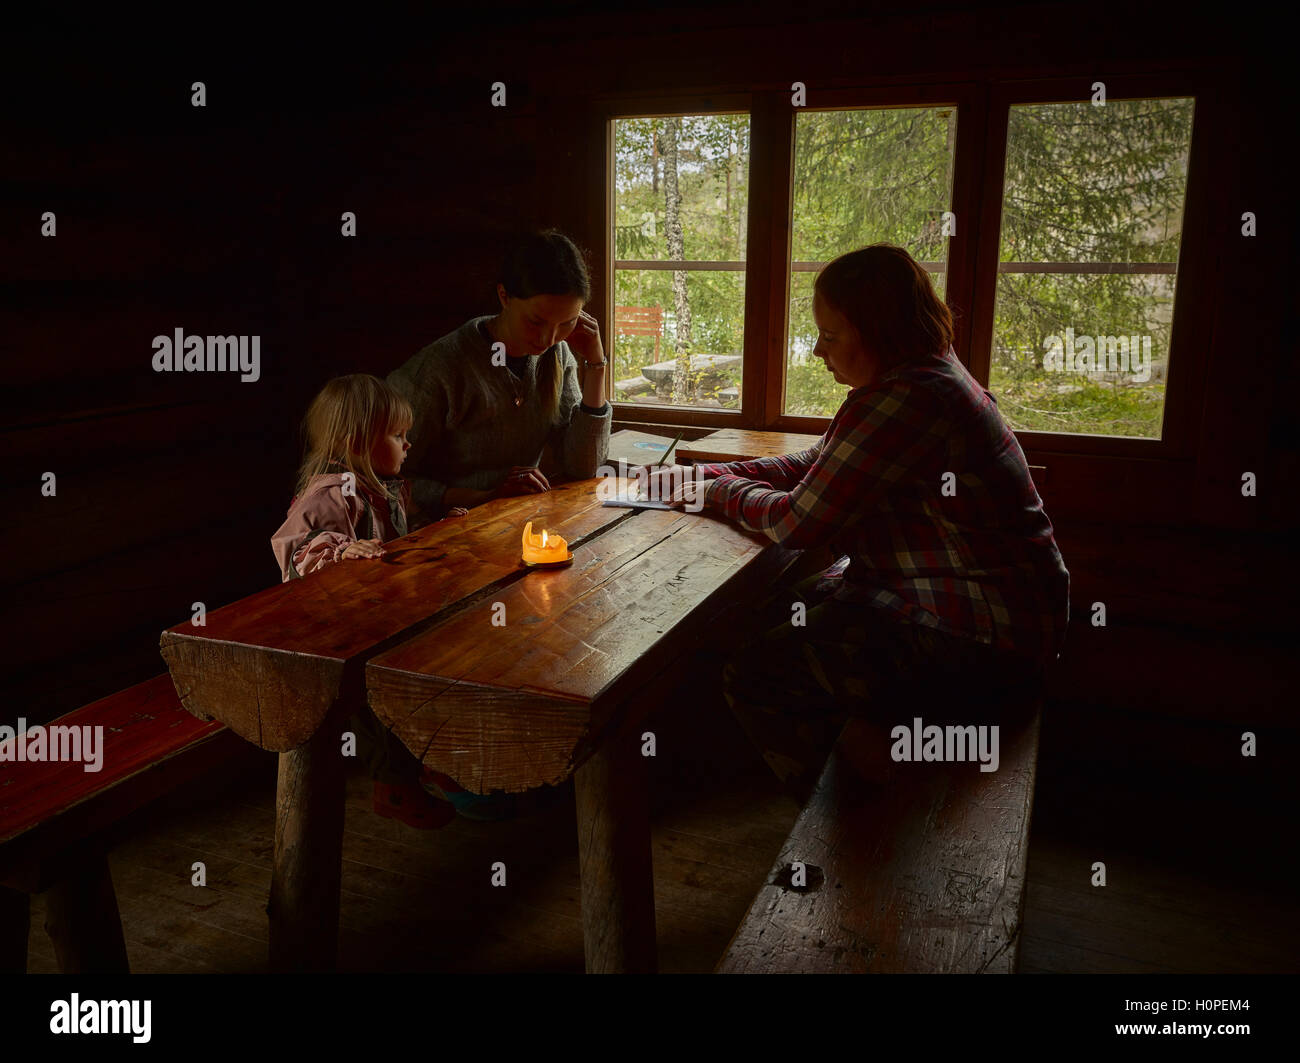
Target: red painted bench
[[52, 813], [907, 867]]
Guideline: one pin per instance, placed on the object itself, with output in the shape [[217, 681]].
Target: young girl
[[349, 498], [349, 502]]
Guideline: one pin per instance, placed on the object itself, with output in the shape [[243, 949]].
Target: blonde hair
[[343, 423]]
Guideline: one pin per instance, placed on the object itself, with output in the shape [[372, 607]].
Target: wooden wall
[[227, 220]]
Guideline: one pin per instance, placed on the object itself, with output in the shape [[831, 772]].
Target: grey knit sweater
[[468, 432]]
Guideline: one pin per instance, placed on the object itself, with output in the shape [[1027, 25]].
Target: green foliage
[[1088, 184], [1083, 184]]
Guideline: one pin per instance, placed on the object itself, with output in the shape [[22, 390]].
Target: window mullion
[[767, 295], [988, 238]]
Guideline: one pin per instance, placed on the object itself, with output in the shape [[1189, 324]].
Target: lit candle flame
[[542, 547]]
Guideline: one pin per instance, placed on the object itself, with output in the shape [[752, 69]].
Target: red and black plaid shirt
[[920, 481]]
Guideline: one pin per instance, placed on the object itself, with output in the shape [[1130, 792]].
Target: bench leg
[[15, 926], [618, 905], [304, 905], [83, 922]]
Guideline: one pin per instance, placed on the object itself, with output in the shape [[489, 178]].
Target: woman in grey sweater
[[490, 395]]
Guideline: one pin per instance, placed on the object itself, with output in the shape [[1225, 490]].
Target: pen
[[669, 450]]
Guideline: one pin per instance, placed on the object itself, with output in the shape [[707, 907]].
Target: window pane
[[647, 328], [1091, 226], [810, 389], [711, 153], [681, 194], [862, 177]]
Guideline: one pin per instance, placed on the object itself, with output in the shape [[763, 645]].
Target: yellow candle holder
[[544, 550]]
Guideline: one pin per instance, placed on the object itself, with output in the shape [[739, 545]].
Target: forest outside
[[1091, 226]]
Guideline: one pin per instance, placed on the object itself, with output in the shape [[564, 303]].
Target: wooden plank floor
[[422, 900]]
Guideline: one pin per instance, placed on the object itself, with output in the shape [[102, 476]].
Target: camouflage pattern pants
[[793, 688]]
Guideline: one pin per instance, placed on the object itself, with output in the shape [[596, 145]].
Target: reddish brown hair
[[889, 299]]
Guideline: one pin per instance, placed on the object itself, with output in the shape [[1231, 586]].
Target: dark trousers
[[793, 688], [381, 752]]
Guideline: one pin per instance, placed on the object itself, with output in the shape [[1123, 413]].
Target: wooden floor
[[1189, 890]]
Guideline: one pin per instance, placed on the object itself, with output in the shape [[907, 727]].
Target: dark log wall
[[226, 220]]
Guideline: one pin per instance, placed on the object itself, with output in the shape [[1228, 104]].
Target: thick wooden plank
[[90, 498], [140, 725], [575, 642], [150, 746], [132, 593], [271, 665], [911, 867], [742, 444]]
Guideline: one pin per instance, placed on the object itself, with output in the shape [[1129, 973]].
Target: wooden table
[[495, 707], [276, 666], [742, 444], [705, 369]]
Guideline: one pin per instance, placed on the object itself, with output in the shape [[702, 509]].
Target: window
[[681, 198], [1092, 214], [1052, 229], [861, 177]]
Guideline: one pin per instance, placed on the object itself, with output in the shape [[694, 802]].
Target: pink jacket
[[323, 521]]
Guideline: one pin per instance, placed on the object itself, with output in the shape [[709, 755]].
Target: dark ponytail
[[546, 263]]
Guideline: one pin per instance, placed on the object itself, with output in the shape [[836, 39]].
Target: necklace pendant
[[518, 401]]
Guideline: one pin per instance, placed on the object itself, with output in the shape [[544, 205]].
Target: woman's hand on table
[[674, 484], [523, 480], [363, 549]]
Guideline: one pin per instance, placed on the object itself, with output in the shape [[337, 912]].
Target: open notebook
[[628, 496]]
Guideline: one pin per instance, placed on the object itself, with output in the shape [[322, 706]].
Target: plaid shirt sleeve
[[782, 472], [877, 437]]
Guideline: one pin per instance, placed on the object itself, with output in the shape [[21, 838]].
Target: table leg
[[82, 919], [618, 905], [15, 927], [304, 905]]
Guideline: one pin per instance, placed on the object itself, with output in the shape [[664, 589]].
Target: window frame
[[983, 110], [609, 110], [1191, 324]]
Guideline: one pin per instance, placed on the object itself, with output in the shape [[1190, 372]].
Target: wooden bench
[[907, 867], [53, 818]]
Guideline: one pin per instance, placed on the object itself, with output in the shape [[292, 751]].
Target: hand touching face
[[585, 339]]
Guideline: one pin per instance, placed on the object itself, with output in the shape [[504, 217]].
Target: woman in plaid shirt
[[955, 590]]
